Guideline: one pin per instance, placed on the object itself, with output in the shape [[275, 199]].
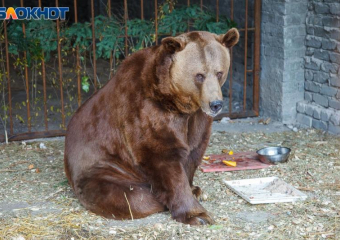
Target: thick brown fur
[[132, 149]]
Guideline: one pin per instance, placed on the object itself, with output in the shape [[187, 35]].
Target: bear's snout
[[216, 106]]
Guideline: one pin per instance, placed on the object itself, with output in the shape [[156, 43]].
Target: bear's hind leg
[[113, 196]]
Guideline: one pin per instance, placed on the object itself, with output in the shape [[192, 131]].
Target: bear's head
[[197, 66]]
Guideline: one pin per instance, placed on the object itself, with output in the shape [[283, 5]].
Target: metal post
[[60, 72], [256, 72], [77, 56], [26, 78], [8, 77], [245, 58], [94, 47], [231, 64]]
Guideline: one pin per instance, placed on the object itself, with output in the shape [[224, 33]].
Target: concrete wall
[[283, 32], [321, 106]]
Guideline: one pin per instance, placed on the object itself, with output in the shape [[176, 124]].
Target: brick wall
[[321, 106]]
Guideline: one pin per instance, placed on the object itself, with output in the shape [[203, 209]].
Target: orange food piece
[[206, 157], [230, 163], [231, 153]]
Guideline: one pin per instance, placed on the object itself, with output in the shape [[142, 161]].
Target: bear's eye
[[219, 75], [200, 78]]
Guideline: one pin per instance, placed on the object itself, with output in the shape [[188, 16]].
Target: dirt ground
[[37, 203]]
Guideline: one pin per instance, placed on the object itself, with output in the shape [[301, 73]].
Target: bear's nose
[[216, 106]]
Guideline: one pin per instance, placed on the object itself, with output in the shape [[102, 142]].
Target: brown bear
[[132, 149]]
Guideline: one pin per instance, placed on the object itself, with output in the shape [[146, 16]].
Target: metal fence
[[14, 135]]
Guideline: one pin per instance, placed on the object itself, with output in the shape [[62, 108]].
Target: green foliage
[[107, 30], [143, 31], [85, 85], [41, 36]]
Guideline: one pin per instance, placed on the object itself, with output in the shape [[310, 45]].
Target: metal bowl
[[274, 154]]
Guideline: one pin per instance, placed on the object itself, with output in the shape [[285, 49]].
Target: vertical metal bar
[[256, 72], [8, 78], [111, 56], [126, 29], [26, 78], [94, 47], [142, 9], [77, 55], [60, 72], [245, 58], [188, 4], [231, 63], [217, 10], [156, 22], [44, 84]]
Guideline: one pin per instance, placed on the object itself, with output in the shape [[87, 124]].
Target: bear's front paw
[[197, 192], [200, 219]]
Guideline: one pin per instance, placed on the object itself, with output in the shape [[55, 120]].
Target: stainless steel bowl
[[274, 154]]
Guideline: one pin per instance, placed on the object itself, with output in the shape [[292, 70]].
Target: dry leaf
[[225, 151], [267, 121], [30, 166], [37, 170]]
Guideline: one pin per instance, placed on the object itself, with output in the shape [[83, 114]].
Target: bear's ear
[[173, 44], [230, 38]]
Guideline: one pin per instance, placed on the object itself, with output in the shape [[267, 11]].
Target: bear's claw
[[197, 192], [201, 219]]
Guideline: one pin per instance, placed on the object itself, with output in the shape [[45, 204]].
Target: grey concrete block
[[304, 119], [317, 113], [334, 103], [321, 77], [274, 52], [321, 54], [334, 33], [309, 75], [312, 87], [278, 8], [310, 51], [329, 91], [308, 96], [334, 129], [326, 67], [331, 21], [319, 124], [334, 8], [300, 107], [326, 114], [335, 118], [296, 7], [334, 80], [313, 63], [294, 31], [320, 99], [314, 42], [321, 8], [328, 44], [309, 109], [310, 30], [334, 57], [294, 19]]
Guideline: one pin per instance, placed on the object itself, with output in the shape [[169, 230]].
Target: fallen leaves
[[265, 121]]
